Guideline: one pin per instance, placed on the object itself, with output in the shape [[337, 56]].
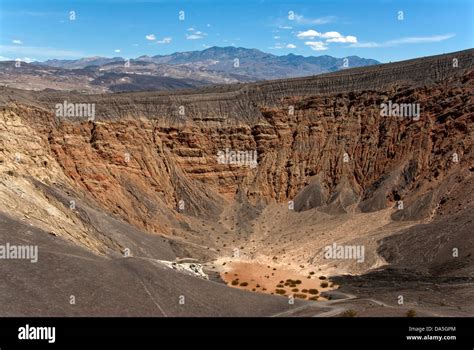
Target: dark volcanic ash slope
[[346, 167]]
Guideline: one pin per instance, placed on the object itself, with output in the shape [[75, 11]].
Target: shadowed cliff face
[[323, 148]]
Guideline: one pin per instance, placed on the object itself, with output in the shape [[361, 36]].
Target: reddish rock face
[[333, 150], [358, 141]]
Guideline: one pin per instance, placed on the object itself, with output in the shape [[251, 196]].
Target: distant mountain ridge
[[224, 59], [214, 65]]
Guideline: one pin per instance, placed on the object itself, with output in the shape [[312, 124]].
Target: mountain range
[[180, 70]]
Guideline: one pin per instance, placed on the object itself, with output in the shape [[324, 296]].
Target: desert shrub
[[280, 285], [234, 282], [280, 291], [244, 284], [324, 284], [295, 290], [258, 286], [349, 313], [322, 277], [304, 290], [299, 295], [297, 282], [314, 298], [311, 273], [411, 313], [313, 291]]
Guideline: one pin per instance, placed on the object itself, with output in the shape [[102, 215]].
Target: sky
[[384, 30]]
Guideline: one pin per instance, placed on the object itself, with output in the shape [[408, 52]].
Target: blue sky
[[40, 30]]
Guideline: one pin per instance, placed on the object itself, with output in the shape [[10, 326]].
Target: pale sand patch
[[268, 278]]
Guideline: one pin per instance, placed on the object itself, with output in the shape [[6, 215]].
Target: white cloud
[[403, 41], [421, 39], [194, 37], [308, 34], [331, 37], [285, 27], [276, 37], [316, 45], [300, 19], [117, 50], [195, 34], [343, 39], [150, 37], [166, 40], [18, 42], [291, 46], [367, 45]]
